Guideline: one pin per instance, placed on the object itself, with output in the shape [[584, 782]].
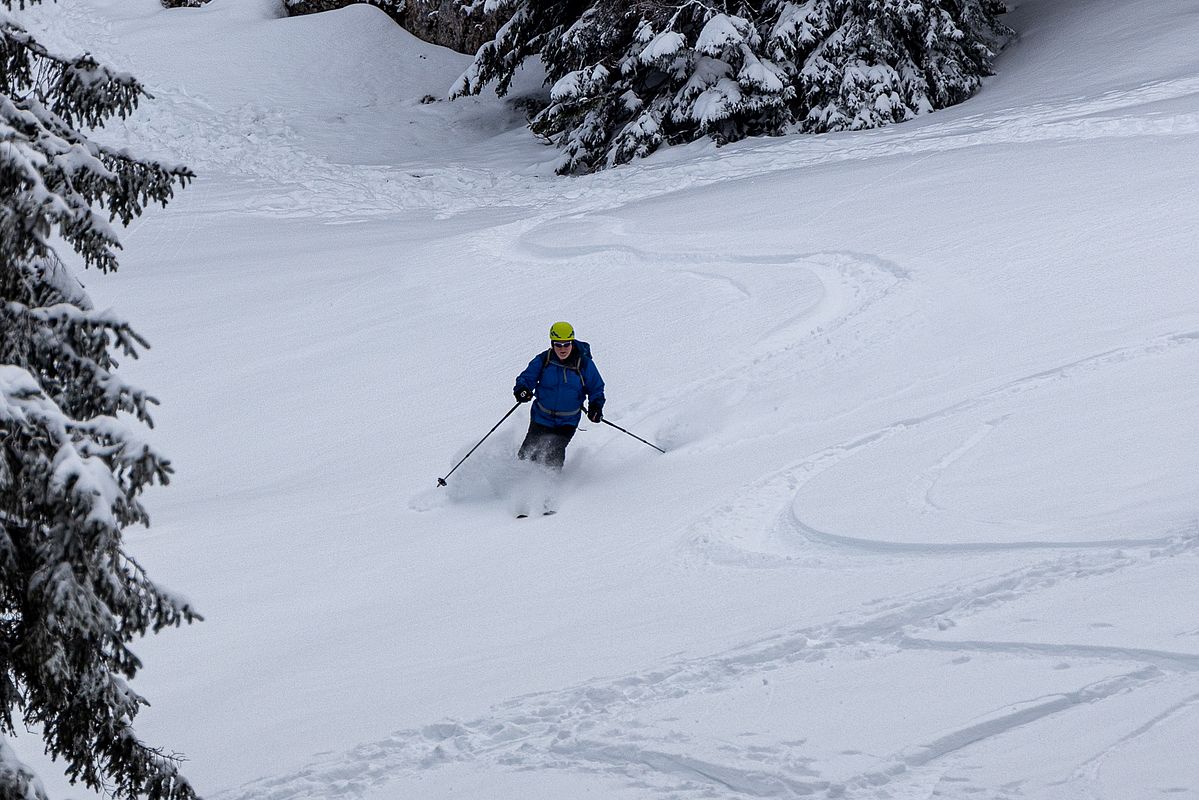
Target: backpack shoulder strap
[[584, 354]]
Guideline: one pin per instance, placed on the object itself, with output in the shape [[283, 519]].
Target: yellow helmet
[[562, 332]]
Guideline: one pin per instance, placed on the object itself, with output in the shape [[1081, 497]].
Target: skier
[[556, 381]]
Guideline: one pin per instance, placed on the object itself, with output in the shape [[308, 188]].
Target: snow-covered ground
[[928, 525]]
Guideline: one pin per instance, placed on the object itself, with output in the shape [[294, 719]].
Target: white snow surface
[[928, 521]]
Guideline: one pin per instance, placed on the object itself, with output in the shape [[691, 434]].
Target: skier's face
[[562, 349]]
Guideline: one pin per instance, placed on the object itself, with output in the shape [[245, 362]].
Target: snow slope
[[927, 525]]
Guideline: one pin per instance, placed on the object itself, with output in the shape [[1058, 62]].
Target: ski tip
[[522, 516]]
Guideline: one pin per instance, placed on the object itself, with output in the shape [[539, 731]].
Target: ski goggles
[[563, 344]]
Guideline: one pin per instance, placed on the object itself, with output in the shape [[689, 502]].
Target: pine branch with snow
[[73, 457]]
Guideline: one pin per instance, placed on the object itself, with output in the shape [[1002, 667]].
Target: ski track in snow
[[786, 536], [1088, 773], [852, 283], [599, 727], [310, 186]]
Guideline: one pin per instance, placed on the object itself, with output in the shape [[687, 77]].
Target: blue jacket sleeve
[[595, 383], [528, 378]]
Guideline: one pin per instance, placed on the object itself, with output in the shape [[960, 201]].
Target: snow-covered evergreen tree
[[73, 458], [865, 63], [628, 77]]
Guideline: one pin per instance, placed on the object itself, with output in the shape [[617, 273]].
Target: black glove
[[522, 394], [595, 412]]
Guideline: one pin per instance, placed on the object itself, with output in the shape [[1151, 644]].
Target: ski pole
[[635, 436], [441, 481]]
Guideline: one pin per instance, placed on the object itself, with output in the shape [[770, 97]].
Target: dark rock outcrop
[[438, 21]]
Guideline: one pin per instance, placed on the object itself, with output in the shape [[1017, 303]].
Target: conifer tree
[[73, 458], [628, 77]]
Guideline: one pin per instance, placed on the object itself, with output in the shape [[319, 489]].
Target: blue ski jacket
[[559, 386]]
